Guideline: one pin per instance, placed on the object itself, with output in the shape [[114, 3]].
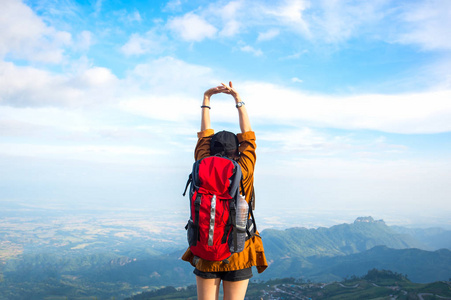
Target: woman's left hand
[[231, 91]]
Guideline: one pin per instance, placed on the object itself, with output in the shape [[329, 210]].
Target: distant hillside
[[432, 238], [418, 265], [102, 276], [328, 254], [122, 267], [363, 234]]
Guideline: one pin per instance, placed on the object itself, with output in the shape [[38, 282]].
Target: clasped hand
[[223, 88]]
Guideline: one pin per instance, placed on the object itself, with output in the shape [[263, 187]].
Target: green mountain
[[364, 234], [103, 275], [320, 255], [419, 265], [329, 254], [433, 238]]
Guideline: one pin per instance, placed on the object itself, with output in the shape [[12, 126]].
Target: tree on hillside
[[377, 275]]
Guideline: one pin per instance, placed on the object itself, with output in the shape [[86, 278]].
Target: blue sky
[[350, 101]]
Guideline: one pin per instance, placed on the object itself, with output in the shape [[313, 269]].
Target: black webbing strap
[[253, 219], [190, 178], [227, 229], [196, 216], [226, 261]]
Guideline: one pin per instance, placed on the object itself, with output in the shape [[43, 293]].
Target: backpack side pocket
[[191, 232]]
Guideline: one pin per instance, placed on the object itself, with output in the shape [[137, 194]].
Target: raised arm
[[205, 122], [245, 124], [205, 118]]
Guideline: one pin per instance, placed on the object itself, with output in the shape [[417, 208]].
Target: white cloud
[[290, 144], [338, 21], [268, 35], [136, 45], [303, 140], [84, 40], [86, 86], [97, 77], [97, 135], [135, 17], [192, 27], [173, 5], [426, 112], [375, 183], [44, 122], [236, 17], [427, 24], [148, 88], [97, 6], [423, 23], [291, 14], [231, 9], [295, 79], [25, 36], [294, 56], [98, 153], [246, 14], [169, 108], [229, 15], [168, 76], [231, 28], [167, 89], [329, 21], [151, 42], [250, 49], [128, 18], [28, 86]]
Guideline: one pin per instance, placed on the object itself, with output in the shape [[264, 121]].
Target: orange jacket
[[253, 253]]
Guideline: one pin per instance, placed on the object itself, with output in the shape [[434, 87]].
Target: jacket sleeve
[[247, 158], [203, 144]]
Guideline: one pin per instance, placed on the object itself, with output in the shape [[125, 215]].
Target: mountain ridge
[[342, 239], [321, 254]]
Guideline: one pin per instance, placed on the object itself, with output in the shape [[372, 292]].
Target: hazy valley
[[80, 254]]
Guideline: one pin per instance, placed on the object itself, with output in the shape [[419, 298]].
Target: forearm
[[245, 124], [205, 119]]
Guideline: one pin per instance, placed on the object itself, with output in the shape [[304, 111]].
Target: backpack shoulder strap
[[190, 179], [193, 178], [237, 181]]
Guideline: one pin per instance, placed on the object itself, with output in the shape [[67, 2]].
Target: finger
[[226, 87]]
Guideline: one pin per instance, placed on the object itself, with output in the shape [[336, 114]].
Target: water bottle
[[242, 213]]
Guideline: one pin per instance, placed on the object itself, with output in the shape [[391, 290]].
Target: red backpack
[[219, 221]]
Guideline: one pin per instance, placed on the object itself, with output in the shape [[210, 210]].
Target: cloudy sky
[[350, 101]]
